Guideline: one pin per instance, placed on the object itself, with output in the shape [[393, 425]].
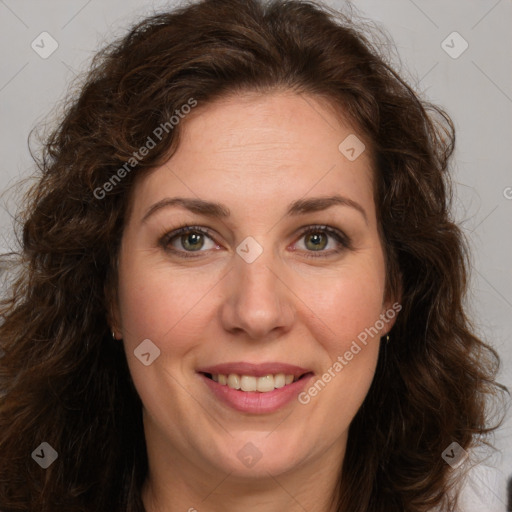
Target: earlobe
[[389, 316], [392, 305], [113, 322]]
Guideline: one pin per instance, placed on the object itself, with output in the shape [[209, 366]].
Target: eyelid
[[344, 241], [335, 233], [165, 240]]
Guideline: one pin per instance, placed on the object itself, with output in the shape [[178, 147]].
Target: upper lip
[[256, 370]]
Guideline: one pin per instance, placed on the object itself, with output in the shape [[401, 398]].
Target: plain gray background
[[475, 88]]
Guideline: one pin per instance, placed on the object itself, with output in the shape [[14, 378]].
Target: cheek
[[359, 304], [348, 303], [347, 322], [351, 309], [161, 305]]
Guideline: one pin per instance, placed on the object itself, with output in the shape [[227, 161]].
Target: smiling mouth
[[250, 383]]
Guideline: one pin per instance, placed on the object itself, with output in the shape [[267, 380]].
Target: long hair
[[65, 382]]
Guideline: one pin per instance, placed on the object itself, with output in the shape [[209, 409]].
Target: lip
[[254, 370], [255, 402]]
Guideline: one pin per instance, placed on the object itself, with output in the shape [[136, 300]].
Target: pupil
[[317, 242], [192, 236]]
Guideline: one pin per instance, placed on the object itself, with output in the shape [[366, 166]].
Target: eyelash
[[342, 239]]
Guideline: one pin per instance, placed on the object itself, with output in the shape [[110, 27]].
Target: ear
[[389, 315], [390, 310]]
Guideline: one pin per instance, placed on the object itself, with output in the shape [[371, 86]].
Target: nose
[[258, 303]]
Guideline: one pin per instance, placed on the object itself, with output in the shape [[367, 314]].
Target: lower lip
[[255, 402]]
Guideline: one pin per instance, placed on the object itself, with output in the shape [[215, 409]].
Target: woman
[[241, 285]]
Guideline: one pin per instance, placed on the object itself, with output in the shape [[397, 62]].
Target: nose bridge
[[258, 301]]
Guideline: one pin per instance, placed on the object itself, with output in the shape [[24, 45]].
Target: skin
[[255, 154]]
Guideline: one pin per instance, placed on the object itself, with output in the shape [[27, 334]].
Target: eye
[[317, 239], [191, 239]]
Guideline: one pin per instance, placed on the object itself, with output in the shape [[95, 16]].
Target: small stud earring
[[114, 336], [387, 338]]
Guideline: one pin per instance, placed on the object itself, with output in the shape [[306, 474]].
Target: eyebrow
[[217, 210]]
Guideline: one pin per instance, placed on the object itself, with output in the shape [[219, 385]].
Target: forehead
[[266, 149]]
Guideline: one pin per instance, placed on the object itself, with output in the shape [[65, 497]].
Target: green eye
[[192, 239], [318, 238]]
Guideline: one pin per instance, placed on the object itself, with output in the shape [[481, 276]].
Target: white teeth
[[234, 381], [251, 383], [248, 383], [279, 380]]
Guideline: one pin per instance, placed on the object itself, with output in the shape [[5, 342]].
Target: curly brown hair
[[64, 381]]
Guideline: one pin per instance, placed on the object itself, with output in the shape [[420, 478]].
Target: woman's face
[[253, 289]]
